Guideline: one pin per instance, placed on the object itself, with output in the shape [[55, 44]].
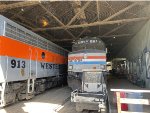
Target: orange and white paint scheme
[[29, 63]]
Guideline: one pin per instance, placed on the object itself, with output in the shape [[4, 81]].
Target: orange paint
[[14, 48]]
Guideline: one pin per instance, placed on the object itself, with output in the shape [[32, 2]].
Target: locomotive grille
[[12, 30], [92, 77]]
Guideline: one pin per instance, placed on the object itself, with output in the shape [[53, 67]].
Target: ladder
[[31, 79], [30, 85]]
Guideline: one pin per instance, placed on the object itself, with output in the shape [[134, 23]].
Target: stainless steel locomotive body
[[29, 64], [86, 76]]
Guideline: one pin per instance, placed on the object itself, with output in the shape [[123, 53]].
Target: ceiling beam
[[77, 8], [77, 14], [112, 16], [18, 4], [97, 4], [122, 21], [110, 6], [50, 14], [121, 11], [118, 13], [82, 17], [111, 36]]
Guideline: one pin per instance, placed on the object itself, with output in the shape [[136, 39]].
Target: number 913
[[17, 63]]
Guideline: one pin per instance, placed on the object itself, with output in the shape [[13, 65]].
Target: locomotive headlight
[[70, 67]]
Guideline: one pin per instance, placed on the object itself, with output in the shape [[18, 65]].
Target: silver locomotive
[[86, 67]]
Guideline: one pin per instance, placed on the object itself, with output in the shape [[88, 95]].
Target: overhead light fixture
[[114, 37], [45, 23]]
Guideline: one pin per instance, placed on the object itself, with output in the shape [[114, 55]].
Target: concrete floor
[[57, 100]]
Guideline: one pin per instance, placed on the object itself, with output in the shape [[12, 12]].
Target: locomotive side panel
[[17, 69], [46, 69], [15, 61], [48, 66], [22, 60]]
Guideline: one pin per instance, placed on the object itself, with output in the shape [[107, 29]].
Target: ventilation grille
[[20, 35]]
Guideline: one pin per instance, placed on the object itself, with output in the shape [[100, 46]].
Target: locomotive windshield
[[88, 43]]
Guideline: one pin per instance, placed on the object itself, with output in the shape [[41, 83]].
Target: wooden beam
[[18, 4], [118, 102], [97, 3], [122, 21], [77, 8], [115, 29], [77, 14], [50, 14], [112, 16]]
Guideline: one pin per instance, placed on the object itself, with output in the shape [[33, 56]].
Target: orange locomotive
[[29, 64]]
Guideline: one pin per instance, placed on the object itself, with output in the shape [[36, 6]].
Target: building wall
[[136, 49]]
